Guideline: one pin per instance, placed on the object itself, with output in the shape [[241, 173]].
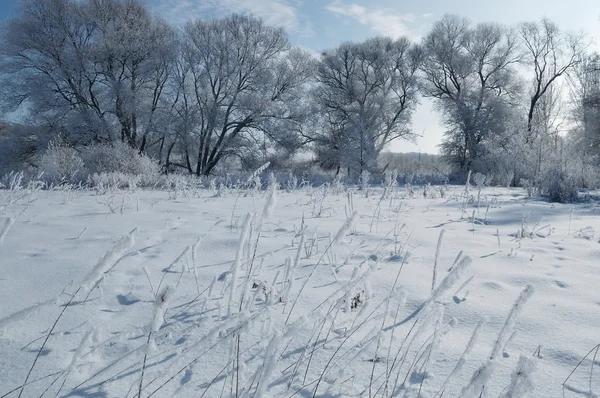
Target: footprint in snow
[[126, 300], [44, 352], [187, 377], [492, 285]]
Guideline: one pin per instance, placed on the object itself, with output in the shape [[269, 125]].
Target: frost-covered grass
[[329, 291]]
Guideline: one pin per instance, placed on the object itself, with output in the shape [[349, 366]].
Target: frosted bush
[[182, 185], [558, 186], [121, 158], [479, 180], [108, 182], [61, 163]]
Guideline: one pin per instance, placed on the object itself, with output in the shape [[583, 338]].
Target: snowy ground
[[354, 315]]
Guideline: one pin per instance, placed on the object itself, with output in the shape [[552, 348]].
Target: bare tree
[[246, 84], [368, 91], [550, 54]]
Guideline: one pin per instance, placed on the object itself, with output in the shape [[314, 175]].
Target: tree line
[[234, 91]]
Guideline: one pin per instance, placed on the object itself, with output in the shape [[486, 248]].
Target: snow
[[328, 296]]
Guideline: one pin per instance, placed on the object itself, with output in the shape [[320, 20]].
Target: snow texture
[[265, 310]]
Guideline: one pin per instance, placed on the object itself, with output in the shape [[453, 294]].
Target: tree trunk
[[168, 159], [133, 109]]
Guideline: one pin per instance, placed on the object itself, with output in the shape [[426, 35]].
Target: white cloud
[[383, 21], [284, 13]]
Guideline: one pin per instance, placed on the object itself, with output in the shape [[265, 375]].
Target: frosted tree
[[585, 89], [469, 72], [582, 149], [367, 92], [94, 70], [47, 66], [134, 52], [244, 86]]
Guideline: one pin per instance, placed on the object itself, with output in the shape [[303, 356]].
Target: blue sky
[[321, 24]]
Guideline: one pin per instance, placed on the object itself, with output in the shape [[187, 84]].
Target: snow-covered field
[[190, 294]]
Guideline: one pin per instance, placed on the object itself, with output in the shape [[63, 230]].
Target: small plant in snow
[[255, 185], [483, 374], [529, 230], [390, 178], [530, 187], [592, 355], [338, 185], [319, 209], [291, 183], [161, 304], [466, 196], [521, 380], [436, 260], [212, 185], [390, 181], [408, 190], [7, 224], [237, 264], [355, 301], [12, 181], [586, 233], [107, 261], [443, 189]]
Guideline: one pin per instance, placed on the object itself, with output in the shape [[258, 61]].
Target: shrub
[[61, 163], [185, 185], [479, 180], [113, 181], [121, 159], [558, 186]]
